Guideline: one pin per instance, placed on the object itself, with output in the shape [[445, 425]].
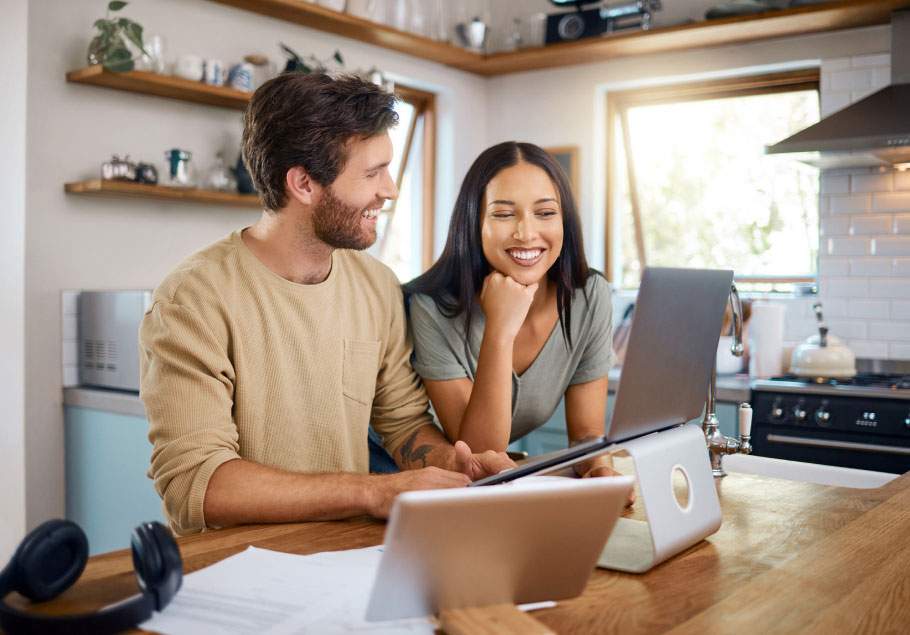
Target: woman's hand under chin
[[505, 303]]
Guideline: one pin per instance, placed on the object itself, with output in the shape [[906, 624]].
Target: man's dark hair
[[456, 279], [307, 120]]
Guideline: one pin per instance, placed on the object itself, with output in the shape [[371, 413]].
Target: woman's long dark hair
[[457, 277]]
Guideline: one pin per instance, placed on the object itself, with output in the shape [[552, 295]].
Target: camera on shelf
[[603, 20]]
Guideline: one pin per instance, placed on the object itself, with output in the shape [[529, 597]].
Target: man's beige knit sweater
[[237, 362]]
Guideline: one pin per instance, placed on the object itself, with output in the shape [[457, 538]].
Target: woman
[[510, 319]]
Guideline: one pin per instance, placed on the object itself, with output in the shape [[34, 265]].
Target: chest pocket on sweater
[[359, 370]]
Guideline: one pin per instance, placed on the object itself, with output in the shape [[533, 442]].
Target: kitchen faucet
[[718, 444]]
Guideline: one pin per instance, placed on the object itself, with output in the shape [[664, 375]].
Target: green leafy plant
[[311, 64], [109, 47]]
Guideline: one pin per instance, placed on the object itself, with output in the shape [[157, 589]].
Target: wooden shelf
[[313, 16], [161, 86], [818, 18], [102, 187]]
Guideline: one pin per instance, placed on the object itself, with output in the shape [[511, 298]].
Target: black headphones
[[52, 557]]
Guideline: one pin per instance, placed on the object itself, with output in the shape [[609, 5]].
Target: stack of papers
[[262, 592]]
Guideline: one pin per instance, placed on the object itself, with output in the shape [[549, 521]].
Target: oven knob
[[777, 412], [822, 417], [799, 413]]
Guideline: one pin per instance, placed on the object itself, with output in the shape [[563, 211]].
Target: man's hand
[[385, 487], [477, 466], [606, 470]]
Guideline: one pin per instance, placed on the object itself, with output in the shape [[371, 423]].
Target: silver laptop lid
[[671, 350]]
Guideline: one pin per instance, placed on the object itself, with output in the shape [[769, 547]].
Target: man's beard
[[337, 224]]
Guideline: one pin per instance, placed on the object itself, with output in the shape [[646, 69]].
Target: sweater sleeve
[[598, 357], [187, 385], [400, 405]]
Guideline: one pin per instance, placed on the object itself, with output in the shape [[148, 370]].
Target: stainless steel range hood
[[872, 132]]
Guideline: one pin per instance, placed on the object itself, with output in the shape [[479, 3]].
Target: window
[[690, 185], [405, 226]]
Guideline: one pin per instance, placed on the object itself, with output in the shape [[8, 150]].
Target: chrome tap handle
[[736, 307]]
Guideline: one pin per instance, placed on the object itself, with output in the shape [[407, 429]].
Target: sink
[[806, 472]]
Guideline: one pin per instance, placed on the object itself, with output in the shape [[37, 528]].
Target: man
[[266, 356]]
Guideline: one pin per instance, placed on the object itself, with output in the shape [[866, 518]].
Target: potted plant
[[311, 64], [109, 47]]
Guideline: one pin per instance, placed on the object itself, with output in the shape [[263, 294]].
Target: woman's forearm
[[487, 420]]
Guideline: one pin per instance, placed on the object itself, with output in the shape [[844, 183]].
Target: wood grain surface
[[789, 557]]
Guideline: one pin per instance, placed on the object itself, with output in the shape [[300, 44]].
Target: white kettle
[[823, 355]]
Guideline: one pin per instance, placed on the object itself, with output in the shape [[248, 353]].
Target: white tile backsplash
[[834, 183], [891, 331], [849, 204], [828, 266], [896, 288], [867, 183], [848, 329], [870, 267], [849, 246], [869, 349], [835, 226], [891, 202], [873, 286], [847, 287], [868, 309], [890, 246], [871, 225]]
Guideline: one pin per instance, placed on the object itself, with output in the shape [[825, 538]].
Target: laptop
[[670, 354], [532, 541]]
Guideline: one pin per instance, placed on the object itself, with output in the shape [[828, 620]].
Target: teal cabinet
[[107, 490]]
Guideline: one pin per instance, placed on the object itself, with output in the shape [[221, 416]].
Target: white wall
[[88, 242], [869, 306], [13, 40]]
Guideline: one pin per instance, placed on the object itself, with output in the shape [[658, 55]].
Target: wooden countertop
[[790, 557]]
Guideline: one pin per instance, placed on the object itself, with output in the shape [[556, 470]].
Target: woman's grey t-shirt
[[440, 352]]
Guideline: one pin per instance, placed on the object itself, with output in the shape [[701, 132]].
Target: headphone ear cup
[[156, 559], [49, 560]]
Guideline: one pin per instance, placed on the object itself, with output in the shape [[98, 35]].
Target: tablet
[[530, 541], [562, 458]]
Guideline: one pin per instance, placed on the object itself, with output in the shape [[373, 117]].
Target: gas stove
[[863, 422]]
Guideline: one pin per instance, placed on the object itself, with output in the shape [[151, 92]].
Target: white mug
[[189, 67], [214, 72]]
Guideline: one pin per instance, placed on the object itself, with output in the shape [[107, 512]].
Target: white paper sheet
[[268, 592]]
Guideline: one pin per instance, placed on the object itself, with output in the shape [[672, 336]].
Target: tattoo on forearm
[[410, 455]]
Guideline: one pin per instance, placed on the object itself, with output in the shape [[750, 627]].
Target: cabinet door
[[107, 490]]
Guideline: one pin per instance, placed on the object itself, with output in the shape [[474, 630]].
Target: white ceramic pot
[[811, 359]]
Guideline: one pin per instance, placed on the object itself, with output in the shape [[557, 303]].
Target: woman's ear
[[301, 186]]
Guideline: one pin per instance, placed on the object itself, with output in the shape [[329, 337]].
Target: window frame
[[424, 104], [618, 105]]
